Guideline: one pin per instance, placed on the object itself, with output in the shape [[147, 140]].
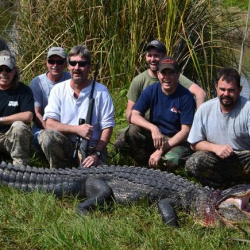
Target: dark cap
[[168, 63], [158, 45]]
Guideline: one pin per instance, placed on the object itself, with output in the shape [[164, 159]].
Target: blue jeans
[[36, 131]]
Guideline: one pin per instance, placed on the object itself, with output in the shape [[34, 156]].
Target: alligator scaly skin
[[127, 183], [123, 183]]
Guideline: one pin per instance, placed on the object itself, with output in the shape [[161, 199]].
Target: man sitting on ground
[[155, 51], [41, 86], [16, 112], [163, 137], [68, 102], [221, 135]]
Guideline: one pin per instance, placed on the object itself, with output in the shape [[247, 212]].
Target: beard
[[226, 101], [153, 68]]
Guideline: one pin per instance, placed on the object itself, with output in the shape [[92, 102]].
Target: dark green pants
[[141, 145]]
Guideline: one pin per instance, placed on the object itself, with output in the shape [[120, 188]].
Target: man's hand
[[85, 131], [155, 158], [223, 151], [91, 160], [157, 137]]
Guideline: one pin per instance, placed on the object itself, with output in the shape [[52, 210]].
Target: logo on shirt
[[175, 110], [13, 103]]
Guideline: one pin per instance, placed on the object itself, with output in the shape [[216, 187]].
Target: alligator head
[[230, 206]]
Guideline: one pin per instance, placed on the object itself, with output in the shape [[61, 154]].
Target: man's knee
[[133, 130], [139, 135], [47, 136], [194, 161], [20, 129], [204, 165], [176, 157]]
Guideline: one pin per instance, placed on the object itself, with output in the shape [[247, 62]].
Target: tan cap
[[59, 51]]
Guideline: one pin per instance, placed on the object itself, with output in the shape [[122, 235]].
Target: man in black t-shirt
[[16, 112]]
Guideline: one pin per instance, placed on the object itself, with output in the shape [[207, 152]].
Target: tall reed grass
[[196, 32]]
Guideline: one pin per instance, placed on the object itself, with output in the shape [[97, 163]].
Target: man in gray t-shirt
[[221, 135], [42, 85]]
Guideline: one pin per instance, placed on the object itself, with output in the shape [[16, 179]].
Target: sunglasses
[[80, 63], [58, 62], [8, 70]]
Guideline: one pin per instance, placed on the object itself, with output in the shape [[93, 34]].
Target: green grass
[[242, 4], [41, 221]]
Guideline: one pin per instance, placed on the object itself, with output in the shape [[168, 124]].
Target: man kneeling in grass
[[161, 141], [221, 135], [16, 112]]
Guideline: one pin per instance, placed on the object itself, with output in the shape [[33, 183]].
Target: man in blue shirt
[[161, 141], [41, 86]]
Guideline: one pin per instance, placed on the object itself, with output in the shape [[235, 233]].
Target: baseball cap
[[158, 45], [59, 51], [168, 62], [7, 61]]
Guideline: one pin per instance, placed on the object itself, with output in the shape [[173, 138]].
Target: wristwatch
[[98, 153]]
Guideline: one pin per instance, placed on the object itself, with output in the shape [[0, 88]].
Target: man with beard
[[221, 135], [41, 86], [68, 102]]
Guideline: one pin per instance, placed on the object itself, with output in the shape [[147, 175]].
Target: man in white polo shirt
[[68, 102]]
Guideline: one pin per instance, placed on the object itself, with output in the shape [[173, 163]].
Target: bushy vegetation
[[200, 33]]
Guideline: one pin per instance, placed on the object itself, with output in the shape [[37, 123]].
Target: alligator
[[123, 183]]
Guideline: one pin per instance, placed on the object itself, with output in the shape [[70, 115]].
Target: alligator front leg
[[165, 207], [97, 191]]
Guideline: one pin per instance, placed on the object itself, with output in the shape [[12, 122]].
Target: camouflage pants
[[17, 142], [141, 144], [215, 172], [59, 150]]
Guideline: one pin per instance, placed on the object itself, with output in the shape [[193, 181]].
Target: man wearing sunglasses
[[68, 102], [16, 112], [42, 85]]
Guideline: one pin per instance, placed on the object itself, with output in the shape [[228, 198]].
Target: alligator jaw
[[233, 207]]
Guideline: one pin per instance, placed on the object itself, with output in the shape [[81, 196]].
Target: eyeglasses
[[58, 62], [80, 63], [8, 70]]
